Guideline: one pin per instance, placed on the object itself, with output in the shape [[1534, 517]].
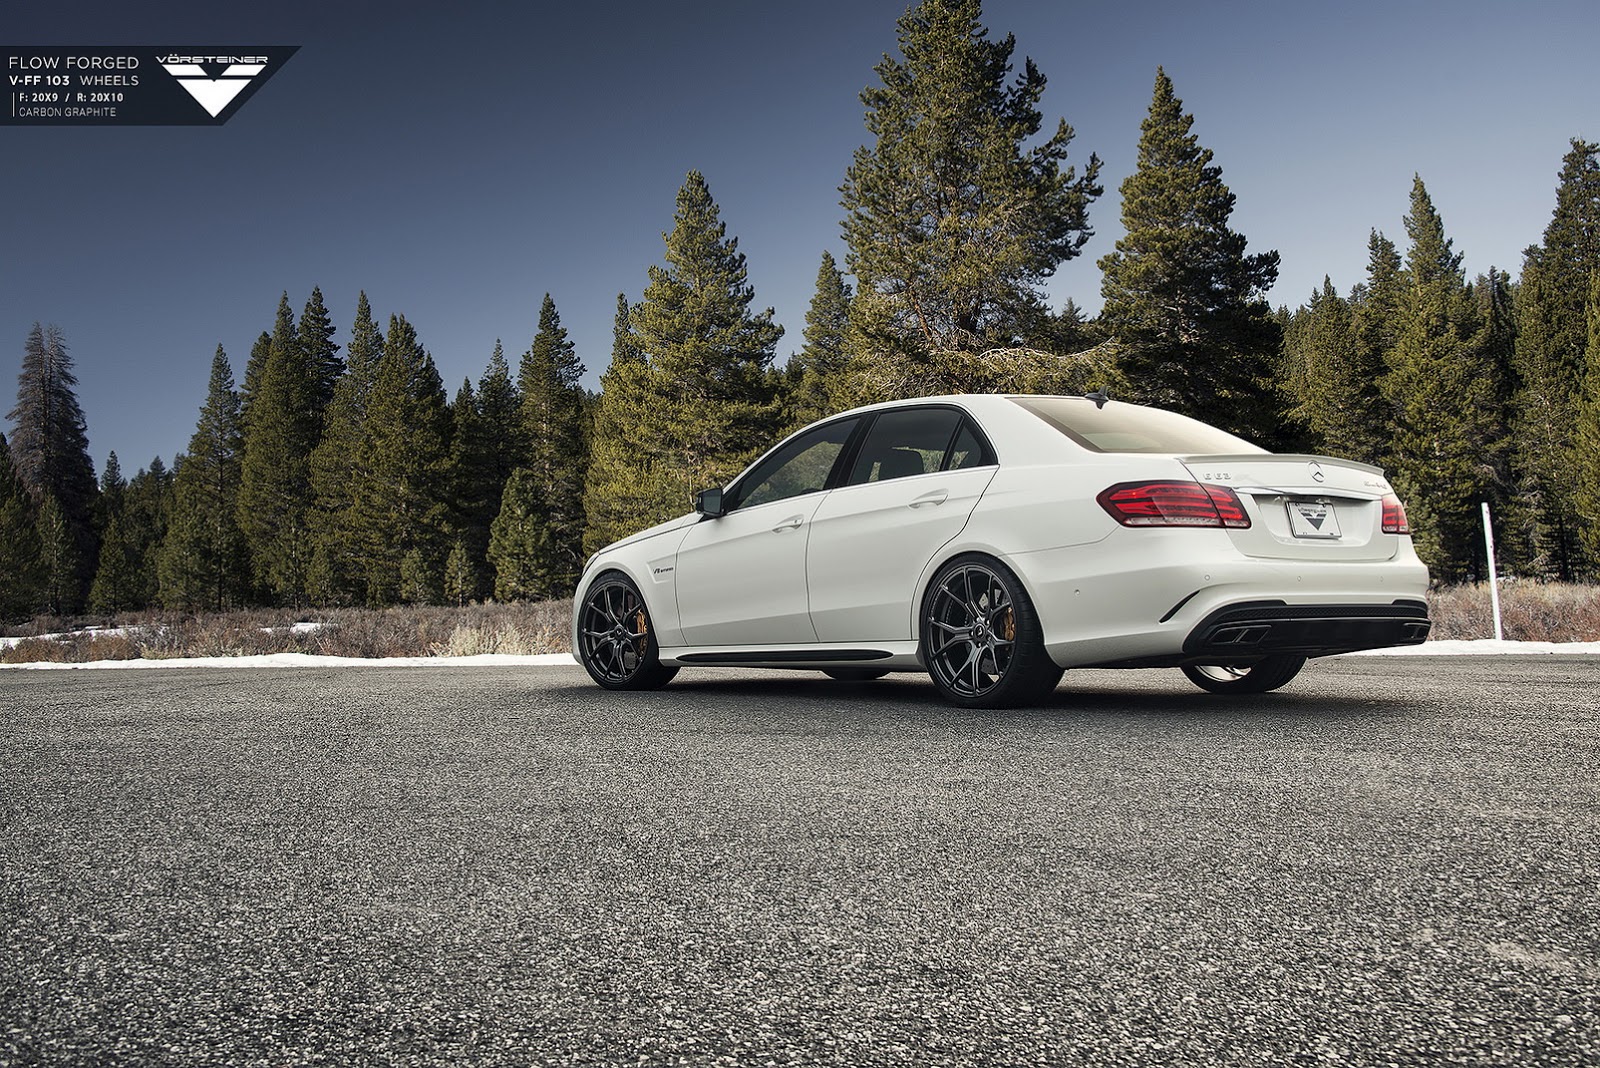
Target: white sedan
[[995, 541]]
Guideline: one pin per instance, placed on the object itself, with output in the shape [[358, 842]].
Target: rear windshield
[[1130, 428]]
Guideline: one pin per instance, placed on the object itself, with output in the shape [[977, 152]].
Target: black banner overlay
[[133, 85]]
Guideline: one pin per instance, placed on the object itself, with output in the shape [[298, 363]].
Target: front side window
[[909, 441], [799, 466]]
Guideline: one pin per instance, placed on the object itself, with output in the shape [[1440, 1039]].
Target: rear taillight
[[1173, 504], [1394, 516]]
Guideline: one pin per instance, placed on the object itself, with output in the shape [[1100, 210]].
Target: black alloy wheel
[[1266, 674], [981, 638], [615, 641]]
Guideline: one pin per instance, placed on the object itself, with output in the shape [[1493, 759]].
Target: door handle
[[931, 497], [792, 523]]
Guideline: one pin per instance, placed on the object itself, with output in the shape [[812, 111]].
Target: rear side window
[[916, 441], [1130, 428], [968, 450]]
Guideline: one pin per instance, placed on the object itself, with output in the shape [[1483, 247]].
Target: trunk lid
[[1303, 507]]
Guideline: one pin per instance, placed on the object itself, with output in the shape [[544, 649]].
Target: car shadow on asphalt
[[1081, 694]]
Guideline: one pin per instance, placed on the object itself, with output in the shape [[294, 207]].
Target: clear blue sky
[[457, 161]]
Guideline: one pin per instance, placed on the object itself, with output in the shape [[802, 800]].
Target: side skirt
[[895, 656]]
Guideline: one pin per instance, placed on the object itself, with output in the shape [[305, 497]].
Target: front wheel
[[981, 638], [1267, 674], [615, 641]]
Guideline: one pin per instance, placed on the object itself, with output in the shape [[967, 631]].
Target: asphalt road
[[1393, 861]]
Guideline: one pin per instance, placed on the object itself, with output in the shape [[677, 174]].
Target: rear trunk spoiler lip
[[1275, 457]]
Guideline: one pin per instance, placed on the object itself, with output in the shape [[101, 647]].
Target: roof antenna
[[1099, 396]]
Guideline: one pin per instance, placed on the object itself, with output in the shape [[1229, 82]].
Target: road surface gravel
[[1391, 862]]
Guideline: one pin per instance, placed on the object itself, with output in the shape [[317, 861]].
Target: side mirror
[[708, 502]]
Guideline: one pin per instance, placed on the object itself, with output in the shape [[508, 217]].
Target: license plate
[[1313, 519]]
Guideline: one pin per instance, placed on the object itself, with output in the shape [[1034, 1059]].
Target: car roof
[[1009, 427], [975, 402]]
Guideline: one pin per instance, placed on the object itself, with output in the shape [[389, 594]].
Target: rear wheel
[[615, 640], [1264, 675], [855, 674], [981, 639]]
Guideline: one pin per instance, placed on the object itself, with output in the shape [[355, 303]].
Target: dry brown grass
[[413, 631], [1529, 612], [81, 648]]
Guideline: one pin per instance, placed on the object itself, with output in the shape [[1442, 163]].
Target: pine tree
[[1551, 359], [255, 370], [319, 352], [1375, 305], [1182, 298], [1586, 438], [953, 220], [488, 442], [113, 487], [1331, 378], [623, 490], [1445, 399], [203, 561], [123, 579], [1493, 352], [146, 515], [58, 559], [500, 408], [21, 589], [50, 453], [421, 577], [115, 586], [275, 495], [818, 368], [616, 492], [1070, 331], [340, 460], [623, 346], [550, 381], [701, 403], [1322, 353], [519, 539], [398, 514], [706, 347], [474, 497], [464, 580]]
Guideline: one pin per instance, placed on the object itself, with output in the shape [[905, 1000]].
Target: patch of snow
[[93, 632], [1483, 647]]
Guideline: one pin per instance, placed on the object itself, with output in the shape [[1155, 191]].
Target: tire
[[616, 642], [1264, 675], [980, 637], [855, 674]]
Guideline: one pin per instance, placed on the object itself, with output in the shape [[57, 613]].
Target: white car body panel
[[872, 542], [741, 579], [835, 576]]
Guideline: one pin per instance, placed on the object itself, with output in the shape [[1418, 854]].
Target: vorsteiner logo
[[214, 94], [218, 60], [112, 85]]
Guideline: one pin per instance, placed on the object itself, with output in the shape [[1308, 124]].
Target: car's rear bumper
[[1261, 628], [1197, 600]]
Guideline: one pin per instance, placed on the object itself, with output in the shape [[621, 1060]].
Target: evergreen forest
[[334, 467]]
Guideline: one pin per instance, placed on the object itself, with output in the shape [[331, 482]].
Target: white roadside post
[[1494, 580]]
